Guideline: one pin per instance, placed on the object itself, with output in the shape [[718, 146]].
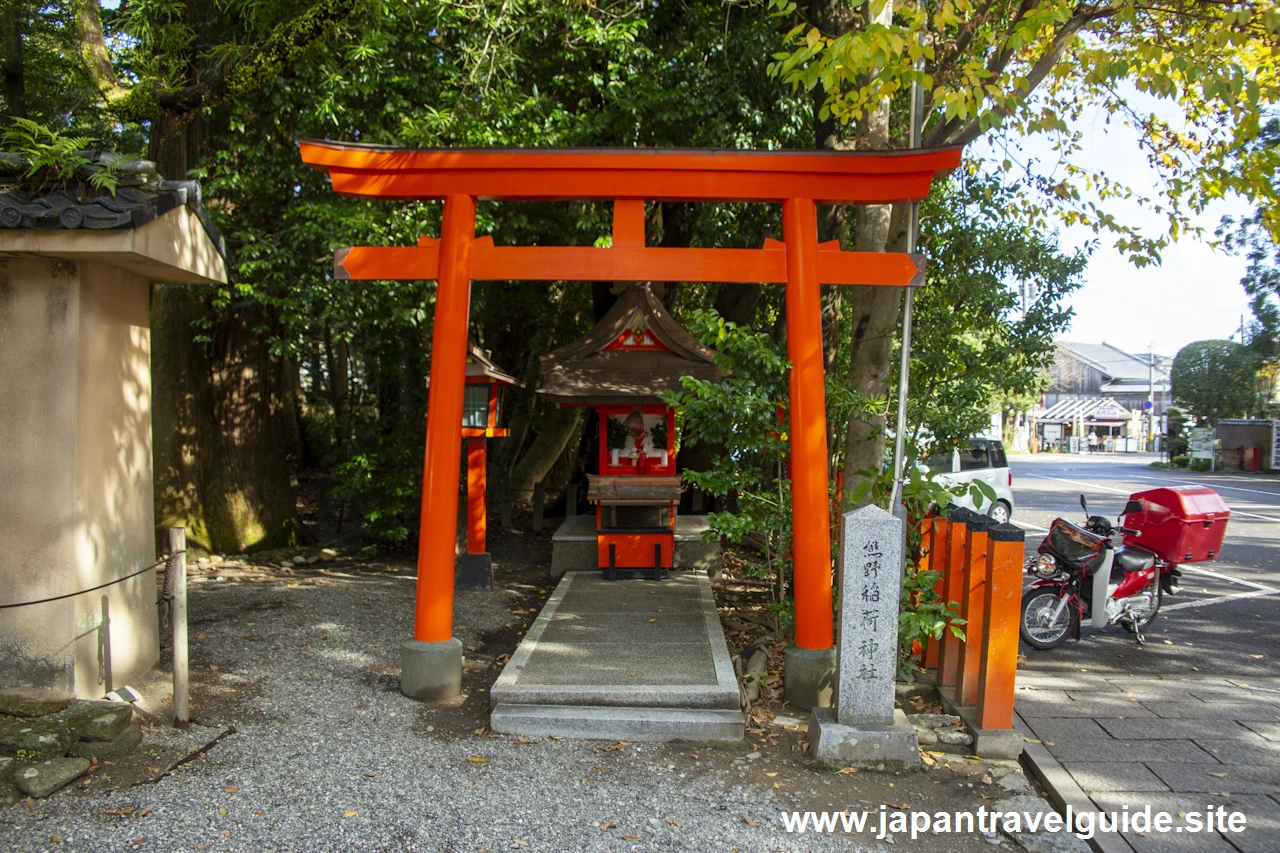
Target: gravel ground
[[328, 756]]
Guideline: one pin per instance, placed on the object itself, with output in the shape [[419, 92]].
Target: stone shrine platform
[[635, 660], [574, 546]]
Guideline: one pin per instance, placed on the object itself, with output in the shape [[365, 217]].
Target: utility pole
[[1151, 394]]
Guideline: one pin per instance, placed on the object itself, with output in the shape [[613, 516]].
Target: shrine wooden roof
[[586, 373]]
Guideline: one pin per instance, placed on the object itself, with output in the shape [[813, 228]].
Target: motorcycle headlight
[[1045, 566]]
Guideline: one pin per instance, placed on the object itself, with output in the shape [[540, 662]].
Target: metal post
[[904, 367], [178, 565]]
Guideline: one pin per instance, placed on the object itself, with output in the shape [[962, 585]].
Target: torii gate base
[[798, 181]]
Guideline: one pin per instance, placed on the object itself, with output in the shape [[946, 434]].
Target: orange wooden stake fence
[[796, 180], [981, 566]]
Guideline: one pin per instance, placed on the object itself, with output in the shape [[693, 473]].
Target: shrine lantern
[[620, 368], [485, 412]]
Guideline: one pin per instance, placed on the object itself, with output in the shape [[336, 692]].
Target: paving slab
[[1237, 710], [1210, 778], [1167, 751], [1270, 731], [1246, 750], [1173, 729], [1095, 776], [1102, 705]]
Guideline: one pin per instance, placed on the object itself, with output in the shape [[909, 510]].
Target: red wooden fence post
[[953, 581], [998, 670], [972, 607]]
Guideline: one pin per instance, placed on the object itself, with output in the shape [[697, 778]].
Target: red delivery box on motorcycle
[[1183, 524]]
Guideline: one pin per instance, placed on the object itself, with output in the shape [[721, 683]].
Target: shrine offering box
[[1183, 524]]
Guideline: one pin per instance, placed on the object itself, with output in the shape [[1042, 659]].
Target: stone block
[[867, 649], [126, 742], [33, 740], [96, 720], [836, 745], [32, 701], [42, 779], [431, 671], [629, 724], [473, 572]]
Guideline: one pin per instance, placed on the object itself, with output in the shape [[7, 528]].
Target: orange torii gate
[[798, 180]]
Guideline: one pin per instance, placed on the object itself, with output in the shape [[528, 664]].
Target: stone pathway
[[626, 659], [1178, 744]]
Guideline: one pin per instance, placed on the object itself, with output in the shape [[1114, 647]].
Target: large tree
[[1215, 380], [1006, 69], [222, 436]]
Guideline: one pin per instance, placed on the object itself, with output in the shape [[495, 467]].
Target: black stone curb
[[1062, 789]]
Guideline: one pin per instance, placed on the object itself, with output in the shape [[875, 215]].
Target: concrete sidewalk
[[1178, 744], [625, 660]]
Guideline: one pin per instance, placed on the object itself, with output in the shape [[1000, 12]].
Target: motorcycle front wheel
[[1040, 630]]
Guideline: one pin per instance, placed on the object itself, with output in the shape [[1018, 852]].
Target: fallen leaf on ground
[[260, 813], [213, 667], [1031, 740], [771, 774], [847, 770], [749, 822], [1219, 775], [478, 760], [230, 790], [607, 825], [631, 837], [676, 822], [371, 775], [350, 814], [525, 740], [146, 812]]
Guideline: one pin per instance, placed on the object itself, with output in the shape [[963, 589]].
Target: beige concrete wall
[[76, 501]]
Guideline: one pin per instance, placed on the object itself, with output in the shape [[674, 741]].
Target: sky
[[1195, 294]]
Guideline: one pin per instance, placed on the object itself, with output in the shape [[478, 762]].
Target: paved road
[[1189, 720], [1228, 611]]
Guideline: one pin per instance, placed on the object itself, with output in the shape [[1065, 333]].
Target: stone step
[[618, 723]]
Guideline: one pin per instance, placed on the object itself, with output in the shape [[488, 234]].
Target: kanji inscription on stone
[[867, 647]]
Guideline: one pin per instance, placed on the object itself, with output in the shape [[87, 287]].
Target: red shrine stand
[[797, 181]]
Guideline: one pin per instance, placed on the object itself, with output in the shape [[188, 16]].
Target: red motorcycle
[[1078, 566]]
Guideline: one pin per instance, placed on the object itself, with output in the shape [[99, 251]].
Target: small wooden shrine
[[619, 368]]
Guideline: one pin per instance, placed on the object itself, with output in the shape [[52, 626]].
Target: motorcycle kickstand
[[1137, 632]]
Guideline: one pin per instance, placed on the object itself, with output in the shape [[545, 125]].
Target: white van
[[985, 460]]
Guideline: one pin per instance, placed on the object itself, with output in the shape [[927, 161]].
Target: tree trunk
[[552, 439], [222, 441], [12, 22]]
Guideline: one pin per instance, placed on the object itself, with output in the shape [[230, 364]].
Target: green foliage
[[1201, 465], [55, 159], [1215, 380], [750, 445], [1011, 70], [1180, 461], [995, 298]]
